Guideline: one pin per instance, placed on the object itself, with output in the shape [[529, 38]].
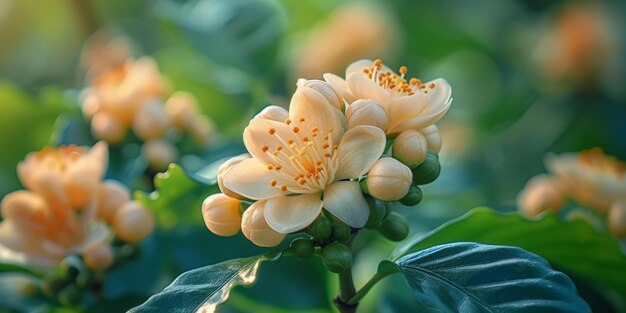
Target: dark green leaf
[[472, 277], [574, 247], [205, 287], [16, 268]]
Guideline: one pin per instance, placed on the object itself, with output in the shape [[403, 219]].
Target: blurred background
[[528, 78]]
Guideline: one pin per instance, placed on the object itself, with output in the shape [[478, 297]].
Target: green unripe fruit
[[302, 248], [395, 227], [413, 197], [337, 257], [341, 231], [378, 211], [320, 229], [70, 295], [428, 171]]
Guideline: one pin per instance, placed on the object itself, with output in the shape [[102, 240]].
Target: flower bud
[[388, 180], [112, 195], [539, 195], [90, 106], [378, 211], [337, 257], [202, 130], [341, 231], [108, 128], [221, 214], [98, 256], [302, 248], [273, 113], [320, 229], [182, 108], [428, 171], [367, 112], [221, 171], [255, 227], [413, 197], [617, 219], [395, 227], [433, 137], [159, 153], [323, 88], [410, 148], [151, 121], [133, 222]]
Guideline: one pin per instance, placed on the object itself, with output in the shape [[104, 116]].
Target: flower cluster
[[133, 96], [329, 153], [68, 208], [590, 178]]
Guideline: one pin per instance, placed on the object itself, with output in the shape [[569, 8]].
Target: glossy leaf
[[472, 277], [177, 197], [574, 247], [203, 289]]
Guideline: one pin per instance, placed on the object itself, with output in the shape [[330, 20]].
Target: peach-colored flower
[[296, 161], [409, 103], [68, 174]]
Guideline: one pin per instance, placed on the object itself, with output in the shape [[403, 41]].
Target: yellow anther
[[265, 148], [287, 121], [296, 129], [272, 131], [403, 70], [273, 182], [283, 187]]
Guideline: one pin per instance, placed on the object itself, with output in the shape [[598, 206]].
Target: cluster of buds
[[133, 95], [333, 163], [590, 178], [69, 209]]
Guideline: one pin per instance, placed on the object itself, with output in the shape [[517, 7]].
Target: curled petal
[[365, 88], [340, 86], [317, 112], [360, 147], [289, 214], [345, 200], [251, 179]]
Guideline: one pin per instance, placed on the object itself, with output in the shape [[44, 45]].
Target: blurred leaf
[[471, 277], [571, 246], [206, 287], [16, 268], [177, 197]]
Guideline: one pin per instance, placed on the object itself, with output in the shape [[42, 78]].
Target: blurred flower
[[410, 104], [133, 222], [222, 214], [334, 43], [159, 153], [104, 51], [541, 193], [294, 161]]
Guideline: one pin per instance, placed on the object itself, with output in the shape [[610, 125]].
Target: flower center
[[394, 83], [60, 158], [305, 160], [595, 159]]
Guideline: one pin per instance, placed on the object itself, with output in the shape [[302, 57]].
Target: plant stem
[[346, 291], [366, 288]]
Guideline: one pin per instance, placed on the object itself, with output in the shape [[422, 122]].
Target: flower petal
[[360, 147], [289, 214], [421, 121], [345, 200], [257, 136], [312, 106], [251, 179], [340, 86], [365, 88]]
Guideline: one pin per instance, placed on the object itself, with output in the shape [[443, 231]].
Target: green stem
[[366, 288], [346, 287]]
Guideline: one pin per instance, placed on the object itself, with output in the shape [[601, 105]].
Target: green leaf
[[574, 247], [472, 277], [16, 268], [177, 198], [203, 289]]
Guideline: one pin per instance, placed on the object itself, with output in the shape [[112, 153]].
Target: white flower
[[305, 163], [410, 104]]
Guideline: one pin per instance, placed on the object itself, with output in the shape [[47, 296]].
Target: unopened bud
[[98, 256], [410, 148], [388, 179], [413, 197], [151, 121], [133, 222], [108, 128], [539, 195], [273, 113], [320, 229], [255, 227], [378, 211], [617, 219], [302, 248], [222, 214], [428, 171], [159, 153], [112, 195], [341, 231], [324, 89], [395, 227], [202, 130], [182, 107], [367, 112], [337, 257], [221, 171], [90, 106], [433, 137]]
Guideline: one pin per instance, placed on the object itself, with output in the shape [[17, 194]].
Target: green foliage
[[471, 277], [574, 247], [16, 268], [177, 198], [205, 287]]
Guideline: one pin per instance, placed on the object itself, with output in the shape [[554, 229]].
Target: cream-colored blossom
[[409, 103], [389, 180], [255, 227], [591, 178], [295, 161], [541, 193]]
